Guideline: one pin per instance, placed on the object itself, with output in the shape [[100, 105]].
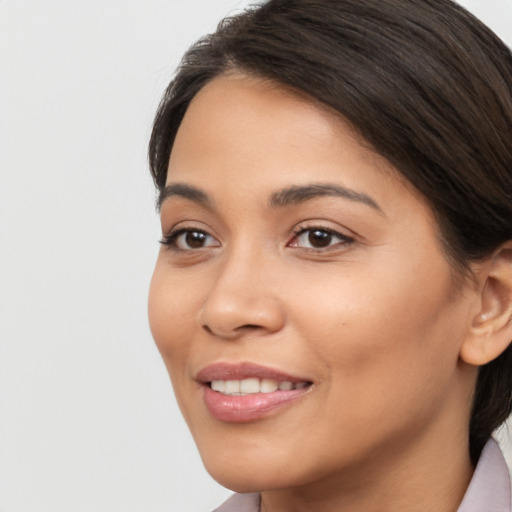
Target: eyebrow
[[186, 191], [285, 197], [300, 194]]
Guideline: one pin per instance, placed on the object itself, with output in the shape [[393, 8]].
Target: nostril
[[226, 314], [234, 333], [207, 329]]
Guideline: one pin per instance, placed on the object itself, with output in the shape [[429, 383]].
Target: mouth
[[246, 392], [253, 386]]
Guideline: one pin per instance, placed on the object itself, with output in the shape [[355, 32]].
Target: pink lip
[[246, 408], [239, 371]]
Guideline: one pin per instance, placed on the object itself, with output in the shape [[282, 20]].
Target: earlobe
[[491, 331]]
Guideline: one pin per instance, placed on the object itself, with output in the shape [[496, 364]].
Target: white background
[[87, 420]]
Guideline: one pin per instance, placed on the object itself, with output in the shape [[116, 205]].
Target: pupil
[[195, 239], [319, 238]]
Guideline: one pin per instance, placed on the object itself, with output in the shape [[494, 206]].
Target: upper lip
[[245, 370]]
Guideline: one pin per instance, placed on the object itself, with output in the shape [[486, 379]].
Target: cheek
[[171, 315], [172, 309], [383, 336]]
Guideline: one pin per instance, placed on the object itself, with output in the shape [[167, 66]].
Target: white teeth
[[253, 385], [249, 386], [219, 385], [268, 386], [232, 387]]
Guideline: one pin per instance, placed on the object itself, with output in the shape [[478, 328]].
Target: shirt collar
[[489, 488]]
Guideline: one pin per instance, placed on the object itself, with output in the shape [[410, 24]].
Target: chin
[[245, 484], [247, 471], [260, 468], [251, 479]]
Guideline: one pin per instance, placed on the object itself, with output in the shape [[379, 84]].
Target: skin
[[375, 319]]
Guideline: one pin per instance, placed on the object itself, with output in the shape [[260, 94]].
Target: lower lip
[[245, 408]]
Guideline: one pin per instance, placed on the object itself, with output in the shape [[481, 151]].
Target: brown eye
[[318, 239], [189, 240], [194, 239]]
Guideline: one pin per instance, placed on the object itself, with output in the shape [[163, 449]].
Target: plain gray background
[[87, 418]]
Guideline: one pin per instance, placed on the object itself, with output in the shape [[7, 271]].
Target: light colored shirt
[[488, 491]]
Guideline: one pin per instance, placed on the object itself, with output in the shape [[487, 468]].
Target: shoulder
[[241, 503]]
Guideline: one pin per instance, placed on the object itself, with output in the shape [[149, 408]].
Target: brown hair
[[423, 81]]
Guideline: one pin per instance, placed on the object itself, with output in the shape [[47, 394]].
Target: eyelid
[[170, 239], [341, 239], [344, 239]]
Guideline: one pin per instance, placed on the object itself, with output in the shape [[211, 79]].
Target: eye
[[319, 238], [189, 240]]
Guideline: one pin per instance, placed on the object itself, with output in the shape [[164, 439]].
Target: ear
[[491, 330]]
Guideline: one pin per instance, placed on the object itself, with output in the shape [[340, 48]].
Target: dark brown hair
[[423, 81]]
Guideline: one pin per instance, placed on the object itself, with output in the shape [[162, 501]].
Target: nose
[[244, 299]]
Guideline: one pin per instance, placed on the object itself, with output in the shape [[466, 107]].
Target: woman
[[333, 296]]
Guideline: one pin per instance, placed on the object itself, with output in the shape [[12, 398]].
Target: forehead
[[243, 122], [253, 102]]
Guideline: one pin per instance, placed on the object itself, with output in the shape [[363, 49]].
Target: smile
[[240, 393], [254, 385]]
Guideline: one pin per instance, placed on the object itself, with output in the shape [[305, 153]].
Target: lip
[[245, 370], [250, 407]]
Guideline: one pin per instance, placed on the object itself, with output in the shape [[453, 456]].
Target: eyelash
[[301, 230], [171, 240]]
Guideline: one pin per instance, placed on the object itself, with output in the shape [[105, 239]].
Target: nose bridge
[[245, 294]]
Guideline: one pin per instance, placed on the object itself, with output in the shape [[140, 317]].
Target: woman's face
[[305, 279]]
